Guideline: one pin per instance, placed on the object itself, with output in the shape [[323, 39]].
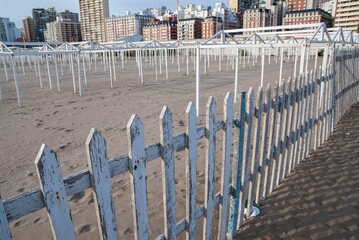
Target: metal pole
[[197, 78], [17, 87]]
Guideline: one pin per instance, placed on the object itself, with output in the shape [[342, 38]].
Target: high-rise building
[[242, 5], [29, 29], [8, 30], [210, 26], [295, 5], [160, 30], [63, 31], [124, 26], [257, 17], [347, 15], [329, 6], [190, 28], [74, 17], [308, 16], [42, 16], [93, 14]]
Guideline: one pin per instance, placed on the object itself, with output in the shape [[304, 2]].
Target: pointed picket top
[[137, 163], [101, 184], [54, 193]]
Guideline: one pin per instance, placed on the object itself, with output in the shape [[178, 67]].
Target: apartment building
[[257, 17], [63, 31], [160, 30], [190, 28], [41, 17], [210, 26], [8, 30], [29, 29], [295, 5], [347, 15], [74, 17], [124, 26], [93, 14], [308, 16]]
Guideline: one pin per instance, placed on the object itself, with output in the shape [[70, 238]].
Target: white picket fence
[[271, 133]]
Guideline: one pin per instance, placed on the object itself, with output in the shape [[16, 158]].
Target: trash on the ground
[[254, 212]]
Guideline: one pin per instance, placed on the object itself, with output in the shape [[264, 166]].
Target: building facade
[[210, 26], [347, 15], [125, 26], [63, 31], [160, 30], [73, 17], [93, 14], [189, 29], [295, 5], [308, 16], [257, 17], [28, 28], [8, 30], [42, 16]]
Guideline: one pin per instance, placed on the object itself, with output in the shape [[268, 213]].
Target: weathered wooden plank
[[303, 119], [283, 163], [5, 233], [136, 145], [278, 139], [297, 123], [246, 163], [101, 185], [227, 141], [191, 171], [54, 194], [264, 145], [237, 170], [168, 173], [267, 177], [210, 165], [256, 151]]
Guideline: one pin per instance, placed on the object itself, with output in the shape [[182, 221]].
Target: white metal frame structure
[[299, 41]]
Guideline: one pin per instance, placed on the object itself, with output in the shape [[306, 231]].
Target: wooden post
[[191, 171], [237, 171], [210, 165], [227, 139], [137, 163], [257, 123], [168, 173], [54, 194], [101, 184], [17, 85]]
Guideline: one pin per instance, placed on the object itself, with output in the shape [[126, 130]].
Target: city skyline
[[16, 11]]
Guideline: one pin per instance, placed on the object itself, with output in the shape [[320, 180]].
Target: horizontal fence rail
[[269, 132]]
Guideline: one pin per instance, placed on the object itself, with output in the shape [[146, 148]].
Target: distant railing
[[272, 133]]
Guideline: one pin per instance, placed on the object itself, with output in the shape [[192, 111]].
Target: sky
[[16, 10]]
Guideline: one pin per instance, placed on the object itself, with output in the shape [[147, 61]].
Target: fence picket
[[227, 140], [168, 173], [5, 233], [101, 184], [318, 112], [264, 145], [237, 171], [286, 133], [256, 151], [246, 163], [294, 106], [53, 190], [191, 169], [308, 114], [303, 119], [271, 142], [210, 164], [312, 114], [276, 163], [137, 162], [297, 122]]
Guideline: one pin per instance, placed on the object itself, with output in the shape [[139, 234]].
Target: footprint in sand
[[39, 220], [77, 197], [84, 229]]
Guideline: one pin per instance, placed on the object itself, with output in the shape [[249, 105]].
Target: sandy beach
[[63, 121]]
